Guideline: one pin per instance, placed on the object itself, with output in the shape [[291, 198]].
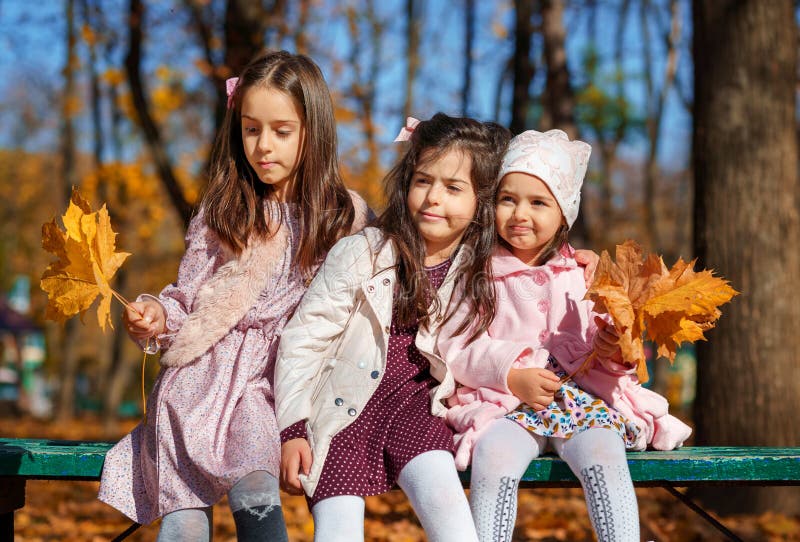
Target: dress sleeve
[[485, 361], [203, 256]]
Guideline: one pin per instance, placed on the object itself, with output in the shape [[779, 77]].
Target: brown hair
[[485, 144], [234, 201]]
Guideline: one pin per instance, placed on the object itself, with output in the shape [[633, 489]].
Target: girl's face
[[527, 215], [272, 135], [442, 202]]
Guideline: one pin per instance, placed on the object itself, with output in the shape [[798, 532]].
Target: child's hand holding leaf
[[606, 341], [144, 319], [642, 296]]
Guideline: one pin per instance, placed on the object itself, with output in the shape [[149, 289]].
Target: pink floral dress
[[212, 421]]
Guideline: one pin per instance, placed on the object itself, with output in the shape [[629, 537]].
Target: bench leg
[[12, 499], [703, 514]]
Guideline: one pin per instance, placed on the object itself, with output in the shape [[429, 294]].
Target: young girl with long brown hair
[[358, 381], [274, 207]]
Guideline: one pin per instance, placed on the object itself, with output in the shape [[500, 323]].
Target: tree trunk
[[122, 367], [363, 88], [558, 109], [522, 64], [747, 229], [152, 133], [245, 26], [469, 39], [66, 354], [412, 56], [559, 101]]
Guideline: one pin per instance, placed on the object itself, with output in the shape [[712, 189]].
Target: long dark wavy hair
[[234, 200], [485, 144]]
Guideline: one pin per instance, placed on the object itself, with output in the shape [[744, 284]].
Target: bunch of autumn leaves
[[642, 296]]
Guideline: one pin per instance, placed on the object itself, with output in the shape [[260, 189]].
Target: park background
[[690, 107]]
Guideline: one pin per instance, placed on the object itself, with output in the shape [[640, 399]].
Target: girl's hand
[[588, 259], [295, 454], [606, 341], [144, 319], [534, 387]]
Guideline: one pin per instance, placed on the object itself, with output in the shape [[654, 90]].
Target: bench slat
[[52, 459], [76, 460], [687, 466]]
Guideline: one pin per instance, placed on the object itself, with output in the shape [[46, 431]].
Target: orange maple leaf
[[644, 298], [86, 262]]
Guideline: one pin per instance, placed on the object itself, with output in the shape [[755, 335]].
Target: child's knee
[[255, 491], [505, 446]]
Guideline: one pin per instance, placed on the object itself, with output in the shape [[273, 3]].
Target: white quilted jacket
[[332, 352]]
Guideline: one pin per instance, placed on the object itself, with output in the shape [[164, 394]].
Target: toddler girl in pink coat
[[512, 403]]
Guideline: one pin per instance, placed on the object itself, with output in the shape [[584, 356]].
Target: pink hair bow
[[230, 87], [407, 130]]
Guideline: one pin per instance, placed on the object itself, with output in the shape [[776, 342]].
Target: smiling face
[[442, 202], [527, 215], [272, 136]]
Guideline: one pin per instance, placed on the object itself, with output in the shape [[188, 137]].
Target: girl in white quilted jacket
[[356, 373]]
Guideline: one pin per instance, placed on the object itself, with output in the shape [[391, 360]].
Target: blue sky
[[32, 55]]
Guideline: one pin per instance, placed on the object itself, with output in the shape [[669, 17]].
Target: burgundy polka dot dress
[[395, 426]]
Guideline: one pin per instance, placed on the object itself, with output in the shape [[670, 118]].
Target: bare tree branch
[[150, 129]]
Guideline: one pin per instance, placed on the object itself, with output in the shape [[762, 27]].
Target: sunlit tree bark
[[747, 228]]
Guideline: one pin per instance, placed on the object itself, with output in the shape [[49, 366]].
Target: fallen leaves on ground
[[642, 296], [87, 261], [58, 510]]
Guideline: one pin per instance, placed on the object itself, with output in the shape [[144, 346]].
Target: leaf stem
[[121, 299], [582, 369], [144, 362]]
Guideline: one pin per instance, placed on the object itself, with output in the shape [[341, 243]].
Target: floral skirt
[[573, 411]]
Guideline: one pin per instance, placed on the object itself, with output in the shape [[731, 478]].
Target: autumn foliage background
[[122, 98]]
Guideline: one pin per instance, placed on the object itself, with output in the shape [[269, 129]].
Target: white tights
[[430, 482], [596, 456]]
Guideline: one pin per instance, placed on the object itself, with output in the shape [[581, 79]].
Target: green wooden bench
[[23, 459]]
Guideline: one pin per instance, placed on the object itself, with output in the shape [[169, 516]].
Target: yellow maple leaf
[[644, 298], [86, 262]]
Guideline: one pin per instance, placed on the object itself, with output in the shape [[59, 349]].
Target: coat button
[[362, 364], [374, 374], [386, 282], [351, 411], [370, 288], [339, 401]]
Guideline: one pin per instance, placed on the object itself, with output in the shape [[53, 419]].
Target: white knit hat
[[557, 161]]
